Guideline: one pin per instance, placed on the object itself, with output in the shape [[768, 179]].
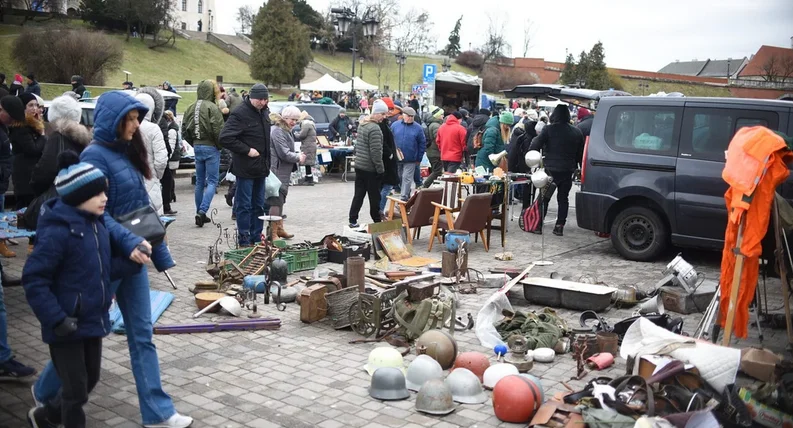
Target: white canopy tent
[[361, 85], [323, 84]]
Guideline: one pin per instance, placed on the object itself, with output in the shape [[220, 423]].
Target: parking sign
[[429, 72]]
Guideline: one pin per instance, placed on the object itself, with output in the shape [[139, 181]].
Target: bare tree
[[786, 68], [770, 68], [414, 32], [528, 33], [245, 18], [496, 45]]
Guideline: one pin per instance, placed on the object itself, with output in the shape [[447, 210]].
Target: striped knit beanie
[[78, 181]]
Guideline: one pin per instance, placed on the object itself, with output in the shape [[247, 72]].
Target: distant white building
[[189, 12]]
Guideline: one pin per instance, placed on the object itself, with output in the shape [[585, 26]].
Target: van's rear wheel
[[638, 233]]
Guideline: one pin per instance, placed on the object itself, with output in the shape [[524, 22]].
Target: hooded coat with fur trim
[[27, 145], [155, 145], [64, 135]]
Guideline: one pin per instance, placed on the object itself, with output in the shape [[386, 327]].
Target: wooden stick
[[380, 284], [779, 231], [736, 283], [295, 282]]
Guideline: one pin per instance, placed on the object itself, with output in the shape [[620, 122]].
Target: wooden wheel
[[361, 314]]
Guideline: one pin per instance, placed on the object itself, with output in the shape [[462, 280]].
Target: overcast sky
[[636, 34]]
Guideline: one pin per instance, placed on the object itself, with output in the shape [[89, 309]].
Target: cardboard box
[[759, 363]]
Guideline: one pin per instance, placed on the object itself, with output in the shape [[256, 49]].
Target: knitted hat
[[18, 78], [379, 106], [388, 102], [64, 107], [78, 181], [289, 112], [583, 112], [31, 76], [13, 105], [259, 92], [464, 112], [506, 118], [27, 97], [532, 115], [436, 112]]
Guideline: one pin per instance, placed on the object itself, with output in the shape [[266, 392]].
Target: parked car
[[323, 114], [651, 173], [88, 113]]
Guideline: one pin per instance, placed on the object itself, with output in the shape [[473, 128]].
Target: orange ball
[[477, 362], [516, 399]]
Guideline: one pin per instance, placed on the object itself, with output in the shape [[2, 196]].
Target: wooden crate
[[313, 305]]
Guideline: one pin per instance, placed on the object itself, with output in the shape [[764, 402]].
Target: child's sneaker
[[14, 370], [37, 418]]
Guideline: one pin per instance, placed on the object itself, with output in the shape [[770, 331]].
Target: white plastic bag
[[488, 315], [230, 177], [272, 186]]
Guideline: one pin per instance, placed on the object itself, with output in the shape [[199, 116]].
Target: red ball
[[516, 399]]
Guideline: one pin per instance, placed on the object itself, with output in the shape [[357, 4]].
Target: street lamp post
[[360, 72], [347, 20], [401, 60]]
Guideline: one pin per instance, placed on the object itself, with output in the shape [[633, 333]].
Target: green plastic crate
[[303, 259]]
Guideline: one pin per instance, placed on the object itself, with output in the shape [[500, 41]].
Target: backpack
[[414, 318], [478, 138]]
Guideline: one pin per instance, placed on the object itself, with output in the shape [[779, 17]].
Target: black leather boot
[[558, 230]]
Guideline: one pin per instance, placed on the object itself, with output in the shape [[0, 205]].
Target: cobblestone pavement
[[306, 375]]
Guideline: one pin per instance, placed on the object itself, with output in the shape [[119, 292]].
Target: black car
[[651, 173], [323, 114]]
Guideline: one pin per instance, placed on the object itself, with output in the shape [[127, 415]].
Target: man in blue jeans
[[201, 128], [247, 135], [410, 140], [10, 369]]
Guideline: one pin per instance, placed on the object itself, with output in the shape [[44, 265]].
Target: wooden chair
[[416, 212], [452, 192], [474, 217]]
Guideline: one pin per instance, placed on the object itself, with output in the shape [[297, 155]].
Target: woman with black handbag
[[119, 152]]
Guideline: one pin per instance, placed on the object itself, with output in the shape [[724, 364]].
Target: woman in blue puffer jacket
[[119, 152]]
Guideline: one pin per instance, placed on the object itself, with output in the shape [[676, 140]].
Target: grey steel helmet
[[422, 369], [465, 387], [435, 398], [388, 383]]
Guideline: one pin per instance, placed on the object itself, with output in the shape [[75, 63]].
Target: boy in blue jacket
[[67, 283]]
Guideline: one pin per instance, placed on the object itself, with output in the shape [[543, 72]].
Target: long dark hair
[[137, 154]]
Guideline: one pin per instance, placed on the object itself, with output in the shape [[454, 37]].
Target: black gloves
[[66, 327]]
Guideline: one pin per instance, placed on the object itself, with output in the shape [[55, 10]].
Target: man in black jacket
[[247, 135], [562, 145], [77, 85]]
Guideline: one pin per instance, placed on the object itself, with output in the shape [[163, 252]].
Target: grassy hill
[[687, 89], [342, 62]]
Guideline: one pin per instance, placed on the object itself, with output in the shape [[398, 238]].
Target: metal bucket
[[452, 238], [608, 342]]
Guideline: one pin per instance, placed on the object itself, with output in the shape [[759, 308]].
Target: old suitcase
[[313, 305]]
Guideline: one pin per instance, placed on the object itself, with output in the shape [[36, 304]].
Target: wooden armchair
[[474, 217], [416, 212]]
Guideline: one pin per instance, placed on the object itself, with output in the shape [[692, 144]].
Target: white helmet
[[384, 356], [496, 372], [465, 387], [422, 369], [533, 158], [540, 179]]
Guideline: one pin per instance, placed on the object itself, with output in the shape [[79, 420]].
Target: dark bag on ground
[[145, 223]]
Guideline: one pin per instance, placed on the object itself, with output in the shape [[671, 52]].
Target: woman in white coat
[[155, 143]]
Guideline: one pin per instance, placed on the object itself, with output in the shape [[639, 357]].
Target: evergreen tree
[[597, 74], [582, 69], [281, 46], [453, 48], [569, 72]]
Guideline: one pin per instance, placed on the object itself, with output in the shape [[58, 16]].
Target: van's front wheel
[[639, 234]]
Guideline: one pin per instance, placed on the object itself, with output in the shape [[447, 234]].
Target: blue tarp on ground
[[160, 301]]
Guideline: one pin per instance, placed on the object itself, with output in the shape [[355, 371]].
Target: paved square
[[308, 375]]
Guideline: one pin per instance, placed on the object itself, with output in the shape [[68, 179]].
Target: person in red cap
[[585, 118]]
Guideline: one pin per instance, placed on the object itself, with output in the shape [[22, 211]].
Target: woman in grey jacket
[[308, 146], [283, 160]]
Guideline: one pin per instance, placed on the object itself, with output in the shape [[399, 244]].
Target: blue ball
[[500, 350]]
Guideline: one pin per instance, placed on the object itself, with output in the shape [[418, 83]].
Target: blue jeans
[[132, 296], [249, 199], [417, 177], [207, 168], [384, 192], [5, 350]]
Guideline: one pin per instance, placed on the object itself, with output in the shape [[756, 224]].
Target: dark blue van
[[651, 174]]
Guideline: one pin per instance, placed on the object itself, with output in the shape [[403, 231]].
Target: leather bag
[[145, 223]]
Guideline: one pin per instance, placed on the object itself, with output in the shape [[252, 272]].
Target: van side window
[[639, 129], [707, 132]]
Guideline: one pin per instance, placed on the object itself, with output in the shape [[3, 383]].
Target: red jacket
[[451, 140]]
